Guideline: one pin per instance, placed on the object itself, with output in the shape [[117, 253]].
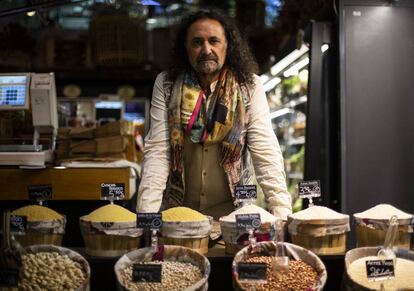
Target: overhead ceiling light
[[286, 61], [151, 21], [324, 47], [271, 84], [150, 3], [31, 13], [294, 70]]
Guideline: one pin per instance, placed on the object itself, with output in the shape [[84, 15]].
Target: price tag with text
[[146, 273], [248, 221], [112, 191], [18, 224], [9, 277], [245, 192], [380, 269], [149, 220], [309, 189], [40, 192], [252, 271]]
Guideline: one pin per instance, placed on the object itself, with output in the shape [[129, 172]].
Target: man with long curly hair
[[210, 125]]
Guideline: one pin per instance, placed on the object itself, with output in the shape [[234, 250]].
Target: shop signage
[[112, 191], [149, 220], [146, 273], [380, 269], [40, 192], [9, 277], [252, 271], [309, 189], [246, 192], [248, 221], [18, 224]]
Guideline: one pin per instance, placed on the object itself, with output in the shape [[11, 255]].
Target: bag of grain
[[319, 229], [48, 267], [182, 269], [356, 279], [372, 225], [44, 225], [306, 271], [235, 239], [110, 231], [186, 227]]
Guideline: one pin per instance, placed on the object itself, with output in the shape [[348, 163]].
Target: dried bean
[[49, 271], [174, 276], [300, 276]]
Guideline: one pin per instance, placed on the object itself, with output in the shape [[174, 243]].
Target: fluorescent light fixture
[[109, 104], [281, 112], [31, 13], [286, 61], [150, 3], [151, 21], [264, 78], [324, 47], [271, 84], [294, 70]]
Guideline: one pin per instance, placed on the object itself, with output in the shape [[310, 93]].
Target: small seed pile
[[300, 276], [182, 214], [110, 213], [174, 276], [403, 271], [50, 271], [37, 213]]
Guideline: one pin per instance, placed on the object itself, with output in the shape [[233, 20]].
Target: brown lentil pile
[[300, 276], [50, 271], [174, 276]]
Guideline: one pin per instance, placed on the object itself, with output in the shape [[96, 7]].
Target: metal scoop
[[387, 252], [280, 260]]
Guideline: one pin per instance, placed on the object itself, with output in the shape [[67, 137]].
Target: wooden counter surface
[[66, 183]]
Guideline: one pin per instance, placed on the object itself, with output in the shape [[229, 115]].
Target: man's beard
[[208, 65]]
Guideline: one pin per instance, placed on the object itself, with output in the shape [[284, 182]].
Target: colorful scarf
[[222, 121]]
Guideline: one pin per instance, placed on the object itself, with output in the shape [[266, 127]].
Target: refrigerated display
[[286, 86]]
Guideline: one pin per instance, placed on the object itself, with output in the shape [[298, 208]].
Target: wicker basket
[[323, 245], [369, 237], [85, 286], [103, 244], [171, 253], [350, 285], [200, 245], [36, 238], [268, 249]]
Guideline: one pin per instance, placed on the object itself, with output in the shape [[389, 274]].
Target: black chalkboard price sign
[[40, 192], [18, 224], [146, 273], [252, 271], [248, 221], [9, 277], [151, 220], [308, 189], [380, 269], [112, 191], [245, 192]]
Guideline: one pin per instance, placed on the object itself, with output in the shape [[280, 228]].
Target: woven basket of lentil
[[306, 271], [182, 269]]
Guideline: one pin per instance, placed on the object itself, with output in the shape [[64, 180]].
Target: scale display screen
[[14, 92]]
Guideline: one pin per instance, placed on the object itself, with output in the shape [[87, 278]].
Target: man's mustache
[[207, 58]]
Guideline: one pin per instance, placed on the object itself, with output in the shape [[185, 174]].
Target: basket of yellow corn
[[110, 231], [44, 226], [186, 227]]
